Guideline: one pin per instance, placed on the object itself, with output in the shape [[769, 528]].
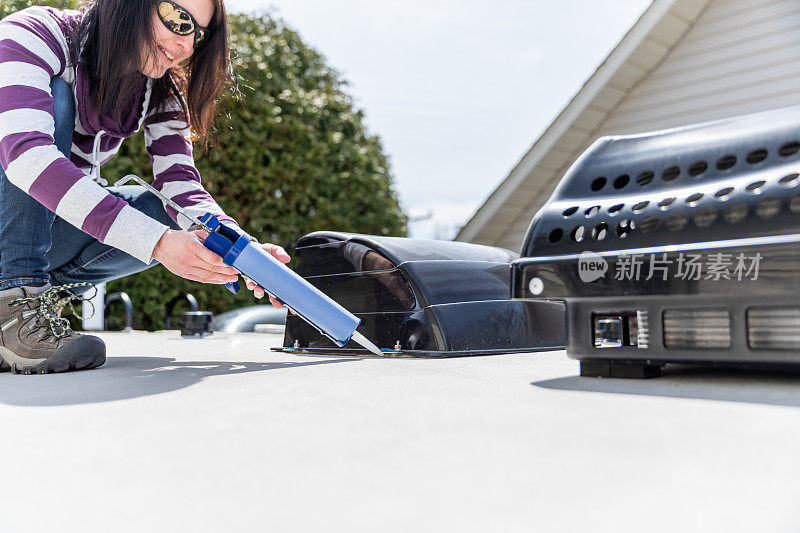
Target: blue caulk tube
[[315, 307], [240, 252]]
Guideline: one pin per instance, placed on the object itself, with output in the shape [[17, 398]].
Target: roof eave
[[577, 105]]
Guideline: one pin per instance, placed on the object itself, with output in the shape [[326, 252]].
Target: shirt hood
[[131, 116]]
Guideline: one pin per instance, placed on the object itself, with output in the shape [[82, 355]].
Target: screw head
[[536, 286]]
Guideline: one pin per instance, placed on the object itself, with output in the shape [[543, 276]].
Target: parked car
[[259, 318]]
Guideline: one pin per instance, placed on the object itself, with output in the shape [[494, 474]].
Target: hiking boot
[[35, 340]]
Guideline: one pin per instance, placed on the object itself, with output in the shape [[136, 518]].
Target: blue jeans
[[38, 246]]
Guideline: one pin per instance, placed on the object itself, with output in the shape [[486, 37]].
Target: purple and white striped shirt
[[33, 50]]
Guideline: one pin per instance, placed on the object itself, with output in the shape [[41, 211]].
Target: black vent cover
[[422, 297]]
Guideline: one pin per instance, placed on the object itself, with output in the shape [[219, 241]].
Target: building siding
[[740, 57]]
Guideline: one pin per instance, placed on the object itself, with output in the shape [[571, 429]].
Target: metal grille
[[697, 328], [773, 328]]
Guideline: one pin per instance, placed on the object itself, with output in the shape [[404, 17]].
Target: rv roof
[[222, 434]]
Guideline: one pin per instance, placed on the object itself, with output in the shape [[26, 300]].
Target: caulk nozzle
[[363, 341]]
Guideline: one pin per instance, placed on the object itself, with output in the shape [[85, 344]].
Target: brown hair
[[109, 40]]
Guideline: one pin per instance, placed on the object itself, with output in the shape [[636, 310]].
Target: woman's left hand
[[278, 253]]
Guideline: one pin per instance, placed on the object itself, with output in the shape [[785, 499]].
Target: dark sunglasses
[[180, 22]]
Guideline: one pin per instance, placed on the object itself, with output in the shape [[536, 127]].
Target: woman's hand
[[278, 253], [183, 253]]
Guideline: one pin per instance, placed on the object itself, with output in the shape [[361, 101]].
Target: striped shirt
[[33, 50]]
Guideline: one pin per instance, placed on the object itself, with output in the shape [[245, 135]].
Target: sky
[[458, 91]]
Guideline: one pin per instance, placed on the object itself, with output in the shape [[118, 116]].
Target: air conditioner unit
[[679, 246]]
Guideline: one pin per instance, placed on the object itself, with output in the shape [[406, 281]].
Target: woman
[[73, 85]]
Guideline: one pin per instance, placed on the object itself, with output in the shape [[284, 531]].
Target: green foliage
[[12, 6], [292, 156]]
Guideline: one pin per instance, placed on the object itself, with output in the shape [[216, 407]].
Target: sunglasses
[[180, 22]]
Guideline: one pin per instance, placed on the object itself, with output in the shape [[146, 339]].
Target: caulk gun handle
[[233, 286], [228, 233], [220, 240]]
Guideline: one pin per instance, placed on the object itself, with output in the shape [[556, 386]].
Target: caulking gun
[[240, 252]]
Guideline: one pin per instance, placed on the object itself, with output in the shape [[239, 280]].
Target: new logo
[[591, 266]]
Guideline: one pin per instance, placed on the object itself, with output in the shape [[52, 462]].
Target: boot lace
[[49, 304]]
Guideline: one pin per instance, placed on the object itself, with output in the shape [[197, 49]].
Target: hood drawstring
[[95, 172]]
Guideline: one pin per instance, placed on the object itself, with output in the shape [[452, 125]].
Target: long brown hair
[[116, 31]]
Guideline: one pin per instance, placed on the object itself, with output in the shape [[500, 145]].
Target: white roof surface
[[222, 434]]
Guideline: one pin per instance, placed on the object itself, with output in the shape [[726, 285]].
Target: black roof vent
[[420, 297]]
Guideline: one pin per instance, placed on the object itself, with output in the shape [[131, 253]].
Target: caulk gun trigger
[[233, 286]]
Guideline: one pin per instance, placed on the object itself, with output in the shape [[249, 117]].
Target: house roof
[[505, 214]]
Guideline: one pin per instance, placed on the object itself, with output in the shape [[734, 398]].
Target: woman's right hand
[[183, 254]]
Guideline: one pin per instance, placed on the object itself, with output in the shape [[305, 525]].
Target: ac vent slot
[[773, 328], [697, 328]]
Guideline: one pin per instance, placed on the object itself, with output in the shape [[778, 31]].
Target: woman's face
[[172, 48]]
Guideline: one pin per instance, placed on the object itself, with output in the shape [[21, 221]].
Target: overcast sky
[[457, 90]]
